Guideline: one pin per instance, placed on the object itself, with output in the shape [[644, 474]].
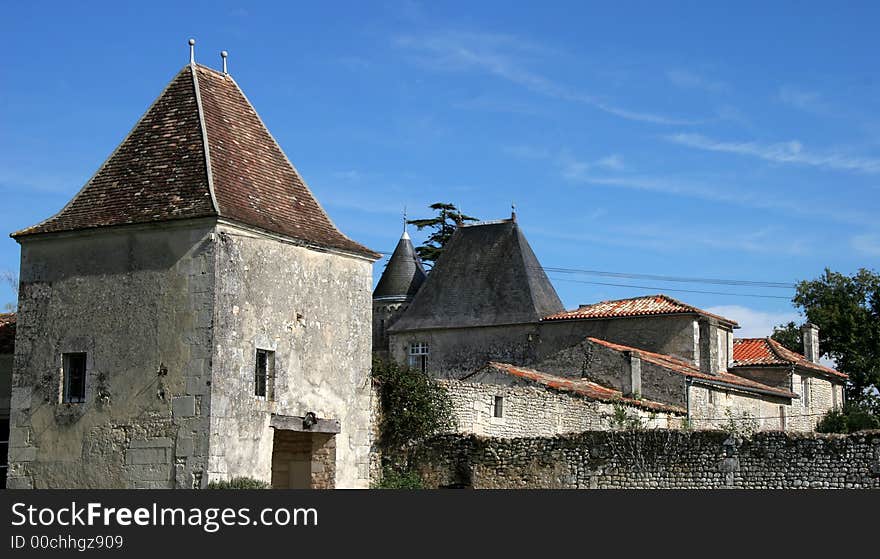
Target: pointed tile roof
[[635, 306], [404, 273], [487, 275], [201, 150], [767, 352]]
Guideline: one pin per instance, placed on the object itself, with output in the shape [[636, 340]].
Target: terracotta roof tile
[[767, 352], [160, 171], [689, 370], [581, 387], [648, 305], [7, 332]]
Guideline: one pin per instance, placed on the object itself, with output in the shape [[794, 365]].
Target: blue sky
[[701, 139]]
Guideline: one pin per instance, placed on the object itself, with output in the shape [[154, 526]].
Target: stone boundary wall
[[653, 459]]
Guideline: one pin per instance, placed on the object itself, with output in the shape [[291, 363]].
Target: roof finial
[[192, 51], [223, 55], [405, 233], [513, 212]]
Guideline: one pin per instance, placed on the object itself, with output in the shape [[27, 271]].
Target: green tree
[[847, 311], [448, 218], [789, 335]]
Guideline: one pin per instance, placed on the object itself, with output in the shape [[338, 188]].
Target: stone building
[[192, 314], [488, 323], [7, 348]]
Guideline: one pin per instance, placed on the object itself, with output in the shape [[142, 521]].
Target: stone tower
[[192, 314], [401, 280]]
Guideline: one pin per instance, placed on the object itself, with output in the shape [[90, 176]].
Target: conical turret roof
[[404, 273]]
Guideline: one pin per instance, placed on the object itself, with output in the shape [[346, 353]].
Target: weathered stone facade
[[312, 309], [654, 459], [532, 411], [139, 303]]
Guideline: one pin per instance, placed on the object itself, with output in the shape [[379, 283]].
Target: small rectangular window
[[74, 373], [805, 391], [418, 356], [711, 395], [499, 406], [264, 374]]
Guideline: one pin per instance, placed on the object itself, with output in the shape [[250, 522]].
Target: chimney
[[810, 335], [710, 350], [631, 378]]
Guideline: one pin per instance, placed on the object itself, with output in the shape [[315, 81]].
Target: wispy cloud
[[792, 152], [801, 99], [718, 192], [754, 323], [867, 244], [570, 166], [689, 80], [503, 56]]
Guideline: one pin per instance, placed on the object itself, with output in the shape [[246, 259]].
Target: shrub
[[851, 419], [396, 479], [241, 482]]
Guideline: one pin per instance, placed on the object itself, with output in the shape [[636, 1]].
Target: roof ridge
[[207, 146]]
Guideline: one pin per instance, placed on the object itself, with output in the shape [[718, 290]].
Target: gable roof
[[582, 387], [403, 274], [648, 305], [7, 332], [767, 352], [201, 150], [487, 275], [689, 370]]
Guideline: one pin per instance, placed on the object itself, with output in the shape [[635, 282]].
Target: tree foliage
[[789, 335], [852, 418], [413, 406], [448, 218], [847, 311]]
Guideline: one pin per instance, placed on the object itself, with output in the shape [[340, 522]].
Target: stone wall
[[5, 383], [137, 301], [454, 351], [669, 335], [532, 411], [313, 309], [608, 367], [654, 459], [717, 408]]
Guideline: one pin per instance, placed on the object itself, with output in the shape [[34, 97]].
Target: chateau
[[194, 315], [488, 324]]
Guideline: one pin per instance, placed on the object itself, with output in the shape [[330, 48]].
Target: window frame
[[417, 357], [498, 407], [267, 376], [66, 397]]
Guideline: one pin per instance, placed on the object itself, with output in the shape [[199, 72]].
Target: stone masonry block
[[158, 442], [184, 446], [22, 454], [183, 406], [18, 436], [137, 456]]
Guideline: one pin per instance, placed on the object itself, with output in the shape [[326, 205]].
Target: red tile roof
[[201, 150], [767, 352], [689, 370], [7, 332], [648, 305], [581, 387]]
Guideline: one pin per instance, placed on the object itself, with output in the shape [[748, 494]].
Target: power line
[[676, 290], [677, 279]]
